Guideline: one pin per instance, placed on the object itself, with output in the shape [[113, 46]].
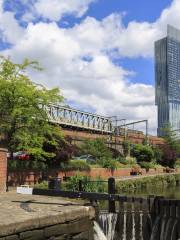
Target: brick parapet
[[3, 169]]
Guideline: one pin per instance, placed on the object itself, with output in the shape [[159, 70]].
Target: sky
[[99, 52]]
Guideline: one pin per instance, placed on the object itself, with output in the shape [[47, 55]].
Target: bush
[[142, 153], [146, 165], [110, 164], [169, 156], [97, 148], [76, 165], [88, 185], [42, 185], [121, 160]]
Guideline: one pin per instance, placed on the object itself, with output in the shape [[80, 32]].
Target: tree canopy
[[24, 121]]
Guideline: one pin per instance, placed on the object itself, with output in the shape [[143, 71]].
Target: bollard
[[54, 183], [111, 190]]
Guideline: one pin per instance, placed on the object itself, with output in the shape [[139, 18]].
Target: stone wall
[[3, 169], [81, 229]]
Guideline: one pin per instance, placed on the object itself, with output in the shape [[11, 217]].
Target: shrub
[[110, 164], [42, 185], [76, 165], [96, 148], [121, 160], [146, 165], [142, 153], [88, 185]]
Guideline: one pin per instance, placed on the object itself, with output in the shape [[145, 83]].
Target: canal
[[171, 192]]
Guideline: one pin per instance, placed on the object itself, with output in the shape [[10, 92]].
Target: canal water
[[171, 192]]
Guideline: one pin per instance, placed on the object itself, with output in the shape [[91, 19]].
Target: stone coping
[[3, 150], [20, 213]]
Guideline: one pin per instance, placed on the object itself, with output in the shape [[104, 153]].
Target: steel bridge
[[70, 117]]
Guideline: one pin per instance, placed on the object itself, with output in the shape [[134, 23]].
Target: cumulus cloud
[[80, 59], [55, 9]]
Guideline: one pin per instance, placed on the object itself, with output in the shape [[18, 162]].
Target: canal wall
[[3, 169], [44, 218]]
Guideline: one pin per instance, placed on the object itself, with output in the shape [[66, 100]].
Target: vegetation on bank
[[133, 185], [122, 186]]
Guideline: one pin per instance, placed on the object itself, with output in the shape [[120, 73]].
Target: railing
[[74, 118]]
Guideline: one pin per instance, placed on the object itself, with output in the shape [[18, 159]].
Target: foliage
[[158, 154], [63, 151], [169, 156], [146, 182], [16, 164], [88, 185], [110, 164], [126, 147], [42, 185], [146, 165], [171, 149], [170, 138], [23, 118], [142, 153], [96, 148], [76, 165]]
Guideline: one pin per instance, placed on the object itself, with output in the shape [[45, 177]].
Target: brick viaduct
[[114, 142]]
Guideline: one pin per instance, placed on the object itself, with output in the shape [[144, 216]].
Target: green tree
[[171, 148], [24, 123], [142, 153], [97, 148], [170, 138]]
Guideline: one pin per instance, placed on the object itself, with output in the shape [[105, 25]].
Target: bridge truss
[[70, 117]]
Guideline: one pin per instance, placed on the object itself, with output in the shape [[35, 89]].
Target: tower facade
[[167, 80]]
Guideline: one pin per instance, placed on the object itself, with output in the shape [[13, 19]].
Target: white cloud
[[9, 27], [55, 9], [77, 59]]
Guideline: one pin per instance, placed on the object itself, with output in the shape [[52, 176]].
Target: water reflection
[[172, 192]]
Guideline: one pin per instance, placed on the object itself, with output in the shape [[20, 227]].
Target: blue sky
[[99, 52]]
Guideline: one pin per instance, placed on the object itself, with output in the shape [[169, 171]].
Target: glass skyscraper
[[167, 79]]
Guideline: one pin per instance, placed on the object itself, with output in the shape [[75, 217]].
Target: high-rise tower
[[167, 78]]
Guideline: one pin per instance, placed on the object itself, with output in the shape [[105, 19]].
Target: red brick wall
[[17, 178], [3, 169]]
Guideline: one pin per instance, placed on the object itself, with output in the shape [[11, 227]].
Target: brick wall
[[3, 169], [17, 178]]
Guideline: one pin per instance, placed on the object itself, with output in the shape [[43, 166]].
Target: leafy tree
[[110, 164], [97, 148], [171, 148], [142, 153], [24, 123], [170, 138]]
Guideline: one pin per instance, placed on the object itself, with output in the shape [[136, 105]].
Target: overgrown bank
[[132, 185]]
